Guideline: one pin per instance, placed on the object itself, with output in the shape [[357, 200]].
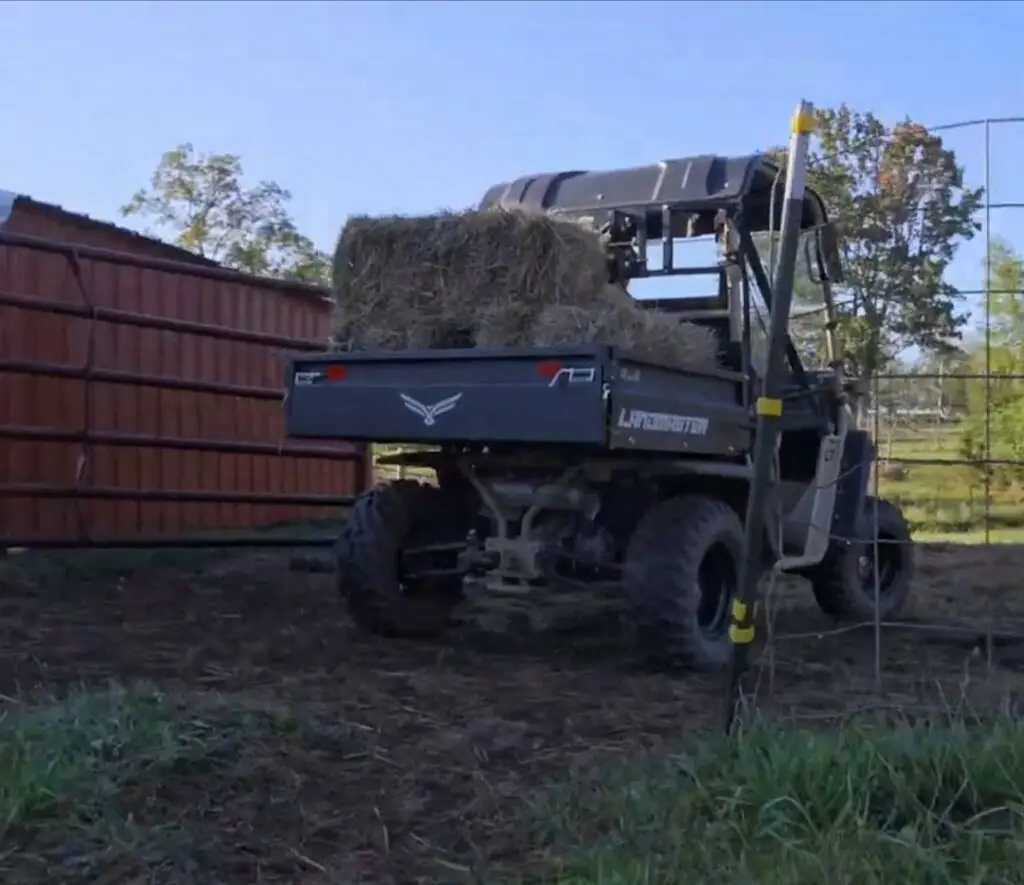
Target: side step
[[819, 527]]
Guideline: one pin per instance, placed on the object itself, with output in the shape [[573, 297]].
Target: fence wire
[[951, 456]]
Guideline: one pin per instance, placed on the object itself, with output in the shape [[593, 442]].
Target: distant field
[[947, 501]]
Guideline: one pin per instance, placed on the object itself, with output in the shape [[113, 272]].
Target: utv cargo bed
[[595, 396]]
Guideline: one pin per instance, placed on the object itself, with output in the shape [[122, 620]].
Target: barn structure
[[140, 389]]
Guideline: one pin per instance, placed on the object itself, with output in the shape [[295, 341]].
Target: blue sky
[[394, 106]]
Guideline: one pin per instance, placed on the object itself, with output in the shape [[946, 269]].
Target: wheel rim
[[890, 559], [716, 584]]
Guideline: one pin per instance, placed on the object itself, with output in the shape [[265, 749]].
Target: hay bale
[[389, 286], [494, 278], [457, 279]]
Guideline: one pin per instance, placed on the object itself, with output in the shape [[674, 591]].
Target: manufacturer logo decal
[[304, 379], [663, 422], [574, 376], [429, 413]]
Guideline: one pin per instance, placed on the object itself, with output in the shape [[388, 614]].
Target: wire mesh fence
[[950, 437]]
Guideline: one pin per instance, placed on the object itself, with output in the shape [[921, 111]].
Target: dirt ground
[[425, 754]]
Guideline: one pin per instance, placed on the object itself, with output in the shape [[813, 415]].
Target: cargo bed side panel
[[654, 408], [462, 396]]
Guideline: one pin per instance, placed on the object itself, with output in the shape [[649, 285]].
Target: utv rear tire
[[385, 521], [844, 582], [680, 576]]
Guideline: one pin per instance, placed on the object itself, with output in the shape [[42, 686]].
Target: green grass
[[935, 803], [72, 757], [971, 537], [939, 803], [948, 501], [143, 785]]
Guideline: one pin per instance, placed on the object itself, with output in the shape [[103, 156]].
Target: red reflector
[[549, 368], [337, 373]]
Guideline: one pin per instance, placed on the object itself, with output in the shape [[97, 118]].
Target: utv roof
[[690, 186]]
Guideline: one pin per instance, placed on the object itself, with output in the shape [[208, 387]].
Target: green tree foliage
[[1005, 283], [947, 387], [903, 209], [200, 202], [995, 409]]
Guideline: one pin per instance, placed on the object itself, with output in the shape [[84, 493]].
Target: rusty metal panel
[[101, 403]]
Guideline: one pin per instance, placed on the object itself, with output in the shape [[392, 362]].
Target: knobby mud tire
[[840, 588], [662, 572], [384, 521]]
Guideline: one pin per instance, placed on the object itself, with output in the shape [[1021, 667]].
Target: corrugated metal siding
[[63, 403]]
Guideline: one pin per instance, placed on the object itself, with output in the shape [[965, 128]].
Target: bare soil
[[426, 755]]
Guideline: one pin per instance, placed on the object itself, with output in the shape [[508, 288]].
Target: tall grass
[[935, 803]]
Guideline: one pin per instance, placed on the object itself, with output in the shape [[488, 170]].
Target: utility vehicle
[[590, 466]]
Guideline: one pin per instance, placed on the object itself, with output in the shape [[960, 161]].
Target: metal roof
[[10, 200]]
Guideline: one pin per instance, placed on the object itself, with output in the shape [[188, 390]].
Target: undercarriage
[[658, 542]]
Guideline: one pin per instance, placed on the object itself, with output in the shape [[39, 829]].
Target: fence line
[[950, 456]]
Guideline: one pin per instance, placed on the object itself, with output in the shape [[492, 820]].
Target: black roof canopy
[[690, 186]]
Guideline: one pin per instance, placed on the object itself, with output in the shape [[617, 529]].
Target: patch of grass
[[946, 499], [138, 784], [72, 755], [970, 537], [932, 803]]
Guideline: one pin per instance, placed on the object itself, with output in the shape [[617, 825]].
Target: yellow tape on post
[[803, 123], [768, 408], [741, 635], [738, 634]]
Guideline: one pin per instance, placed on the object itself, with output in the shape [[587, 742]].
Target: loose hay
[[491, 279], [658, 335]]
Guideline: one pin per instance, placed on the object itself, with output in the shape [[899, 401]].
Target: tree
[[903, 209], [948, 389], [1005, 287], [996, 408], [200, 202]]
